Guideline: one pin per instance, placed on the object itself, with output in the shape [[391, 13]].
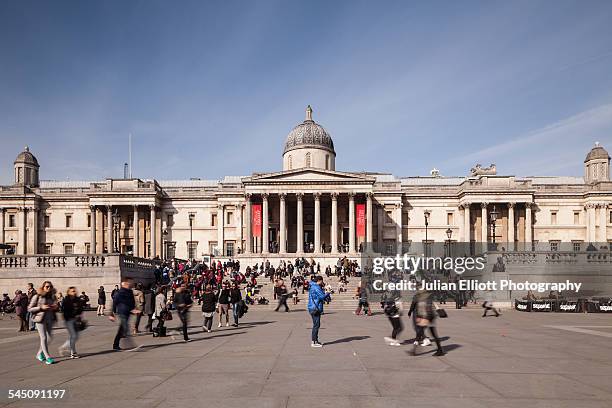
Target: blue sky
[[212, 88]]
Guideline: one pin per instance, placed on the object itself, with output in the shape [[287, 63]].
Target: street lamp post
[[164, 250], [494, 215], [117, 224], [427, 214], [191, 218]]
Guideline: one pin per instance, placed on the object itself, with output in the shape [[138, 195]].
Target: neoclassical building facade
[[307, 208]]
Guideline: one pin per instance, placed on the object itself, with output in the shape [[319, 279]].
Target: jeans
[[235, 310], [44, 331], [122, 331], [73, 336], [396, 322], [282, 301], [208, 321], [316, 324], [183, 316]]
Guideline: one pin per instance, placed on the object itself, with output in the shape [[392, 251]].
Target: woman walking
[[224, 301], [160, 308], [72, 308], [236, 301], [101, 301], [209, 303], [425, 315], [43, 307]]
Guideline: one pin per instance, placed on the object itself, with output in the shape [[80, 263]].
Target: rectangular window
[[576, 217], [192, 249], [449, 218], [229, 249], [213, 220], [388, 217], [212, 247], [553, 217], [170, 220], [577, 246], [11, 221], [47, 249], [46, 221], [68, 249], [88, 220], [170, 250], [229, 216], [68, 221], [87, 248], [130, 221], [554, 245]]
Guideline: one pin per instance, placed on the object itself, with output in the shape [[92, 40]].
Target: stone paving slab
[[515, 360]]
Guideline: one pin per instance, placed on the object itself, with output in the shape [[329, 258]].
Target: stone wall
[[86, 272]]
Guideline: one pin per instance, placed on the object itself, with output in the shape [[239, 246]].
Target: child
[[393, 311]]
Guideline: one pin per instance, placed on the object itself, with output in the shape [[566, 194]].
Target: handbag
[[166, 315], [80, 324], [441, 313]]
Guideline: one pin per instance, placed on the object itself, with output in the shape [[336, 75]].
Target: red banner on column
[[256, 219], [361, 220]]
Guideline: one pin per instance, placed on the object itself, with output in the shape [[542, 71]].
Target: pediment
[[311, 175]]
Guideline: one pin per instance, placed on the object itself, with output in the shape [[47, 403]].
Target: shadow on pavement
[[347, 340]]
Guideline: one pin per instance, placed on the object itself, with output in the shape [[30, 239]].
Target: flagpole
[[130, 153]]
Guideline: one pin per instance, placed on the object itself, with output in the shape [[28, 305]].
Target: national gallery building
[[308, 208]]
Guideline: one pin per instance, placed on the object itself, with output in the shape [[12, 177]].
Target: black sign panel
[[522, 305]]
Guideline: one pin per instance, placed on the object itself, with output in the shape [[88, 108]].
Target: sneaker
[[388, 340], [439, 353], [62, 351], [395, 343], [426, 342], [49, 361], [316, 344], [40, 357], [416, 343], [117, 348], [209, 330], [186, 341], [227, 324], [220, 324], [74, 356]]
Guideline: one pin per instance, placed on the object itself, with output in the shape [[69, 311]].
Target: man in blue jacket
[[316, 297], [124, 305]]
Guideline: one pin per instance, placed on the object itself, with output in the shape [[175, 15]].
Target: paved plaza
[[518, 359]]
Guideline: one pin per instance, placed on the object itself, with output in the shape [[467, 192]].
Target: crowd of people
[[218, 288]]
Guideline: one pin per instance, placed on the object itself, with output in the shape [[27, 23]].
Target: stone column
[[381, 222], [603, 221], [239, 226], [220, 224], [92, 221], [510, 226], [249, 238], [528, 227], [317, 223], [21, 224], [265, 245], [334, 222], [136, 229], [109, 229], [32, 226], [398, 228], [2, 225], [369, 232], [153, 228], [282, 234], [300, 222], [467, 236], [484, 226], [351, 222]]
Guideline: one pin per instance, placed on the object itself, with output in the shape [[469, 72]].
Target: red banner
[[256, 219], [361, 219]]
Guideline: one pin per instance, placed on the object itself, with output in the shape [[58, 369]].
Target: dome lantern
[[309, 145], [26, 169]]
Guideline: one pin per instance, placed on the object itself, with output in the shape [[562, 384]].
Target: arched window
[[289, 162], [307, 159], [327, 162]]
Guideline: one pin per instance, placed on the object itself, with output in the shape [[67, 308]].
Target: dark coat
[[209, 302], [149, 302], [124, 302]]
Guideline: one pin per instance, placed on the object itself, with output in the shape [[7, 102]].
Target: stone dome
[[597, 152], [27, 157], [309, 134]]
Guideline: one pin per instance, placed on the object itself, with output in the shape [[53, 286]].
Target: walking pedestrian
[[423, 308], [21, 309], [183, 302], [101, 301], [43, 307], [236, 301], [123, 306], [393, 311], [488, 304], [224, 301], [316, 297], [139, 302], [283, 294], [160, 310], [209, 303], [149, 308], [30, 292], [72, 308]]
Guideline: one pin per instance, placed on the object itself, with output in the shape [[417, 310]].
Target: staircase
[[340, 301]]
